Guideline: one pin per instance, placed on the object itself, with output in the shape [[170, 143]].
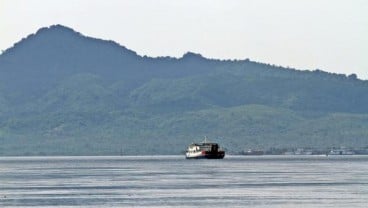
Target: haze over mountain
[[62, 93]]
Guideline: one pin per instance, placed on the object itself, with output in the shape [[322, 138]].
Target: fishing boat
[[204, 150]]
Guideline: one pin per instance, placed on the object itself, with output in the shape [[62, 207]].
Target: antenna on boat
[[205, 139]]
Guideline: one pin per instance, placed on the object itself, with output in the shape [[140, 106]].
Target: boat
[[204, 150]]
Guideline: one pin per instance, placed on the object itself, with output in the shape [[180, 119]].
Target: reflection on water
[[172, 181]]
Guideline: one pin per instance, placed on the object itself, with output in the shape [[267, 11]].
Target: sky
[[330, 35]]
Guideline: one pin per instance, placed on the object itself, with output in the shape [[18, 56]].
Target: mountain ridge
[[58, 28], [63, 93]]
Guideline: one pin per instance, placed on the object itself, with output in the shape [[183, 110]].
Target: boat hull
[[205, 155]]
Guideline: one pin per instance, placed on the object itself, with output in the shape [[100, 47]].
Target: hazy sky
[[331, 35]]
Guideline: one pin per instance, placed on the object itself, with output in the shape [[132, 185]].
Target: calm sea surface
[[172, 181]]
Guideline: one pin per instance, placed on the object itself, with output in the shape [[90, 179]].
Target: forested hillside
[[62, 93]]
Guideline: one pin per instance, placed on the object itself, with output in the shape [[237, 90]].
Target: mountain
[[62, 93]]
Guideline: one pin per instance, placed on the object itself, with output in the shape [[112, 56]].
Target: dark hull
[[209, 155]]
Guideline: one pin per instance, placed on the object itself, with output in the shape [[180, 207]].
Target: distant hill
[[62, 93]]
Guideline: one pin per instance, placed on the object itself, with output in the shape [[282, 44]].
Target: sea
[[173, 181]]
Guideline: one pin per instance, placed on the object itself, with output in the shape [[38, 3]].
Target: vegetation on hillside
[[62, 93]]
